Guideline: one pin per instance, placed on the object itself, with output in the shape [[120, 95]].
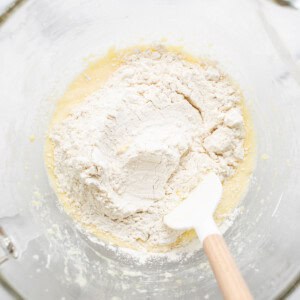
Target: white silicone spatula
[[197, 212]]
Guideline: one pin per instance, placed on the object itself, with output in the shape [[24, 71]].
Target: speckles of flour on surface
[[135, 148]]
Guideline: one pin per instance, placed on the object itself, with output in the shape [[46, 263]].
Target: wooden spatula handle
[[229, 278]]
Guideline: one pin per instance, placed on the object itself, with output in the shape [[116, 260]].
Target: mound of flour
[[134, 149]]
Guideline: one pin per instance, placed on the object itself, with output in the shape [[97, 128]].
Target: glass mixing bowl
[[43, 46]]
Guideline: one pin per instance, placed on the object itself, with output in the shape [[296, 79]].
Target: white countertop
[[284, 22]]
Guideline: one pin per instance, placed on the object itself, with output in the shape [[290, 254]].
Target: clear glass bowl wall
[[43, 46]]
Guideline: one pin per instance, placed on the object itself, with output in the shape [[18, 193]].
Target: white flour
[[135, 148]]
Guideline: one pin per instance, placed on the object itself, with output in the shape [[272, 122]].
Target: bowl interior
[[44, 45]]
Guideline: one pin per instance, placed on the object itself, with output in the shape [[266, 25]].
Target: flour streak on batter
[[139, 144]]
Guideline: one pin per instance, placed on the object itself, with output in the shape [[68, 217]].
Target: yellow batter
[[87, 83]]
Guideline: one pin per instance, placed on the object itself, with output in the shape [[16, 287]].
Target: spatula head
[[198, 206]]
